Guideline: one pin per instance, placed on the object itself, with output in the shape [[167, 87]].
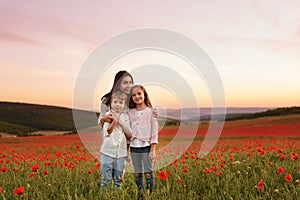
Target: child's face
[[117, 105], [138, 96]]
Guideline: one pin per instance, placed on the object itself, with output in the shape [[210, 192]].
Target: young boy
[[114, 145]]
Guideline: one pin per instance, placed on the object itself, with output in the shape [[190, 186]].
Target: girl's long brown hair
[[146, 100]]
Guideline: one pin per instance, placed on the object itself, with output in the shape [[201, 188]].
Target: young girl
[[144, 136]]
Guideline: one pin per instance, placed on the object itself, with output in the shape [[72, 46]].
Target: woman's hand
[[107, 118], [155, 113]]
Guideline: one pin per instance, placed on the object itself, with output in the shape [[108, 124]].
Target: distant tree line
[[272, 112]]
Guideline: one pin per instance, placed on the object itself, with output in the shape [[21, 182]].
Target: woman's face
[[126, 84]]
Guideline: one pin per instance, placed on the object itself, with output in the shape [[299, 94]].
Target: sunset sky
[[255, 46]]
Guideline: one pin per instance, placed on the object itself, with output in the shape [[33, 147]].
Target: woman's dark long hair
[[116, 86], [146, 100]]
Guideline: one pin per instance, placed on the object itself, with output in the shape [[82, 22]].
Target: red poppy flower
[[0, 189], [162, 175], [121, 180], [293, 156], [282, 157], [47, 163], [45, 172], [185, 170], [19, 190], [279, 151], [90, 171], [288, 177], [270, 164], [221, 164], [3, 169], [219, 173], [261, 184], [183, 162], [207, 170], [180, 181], [35, 167], [214, 168], [31, 175], [280, 170]]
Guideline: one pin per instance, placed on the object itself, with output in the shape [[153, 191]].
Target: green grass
[[239, 177]]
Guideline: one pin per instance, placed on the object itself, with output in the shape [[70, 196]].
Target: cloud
[[16, 22], [12, 37]]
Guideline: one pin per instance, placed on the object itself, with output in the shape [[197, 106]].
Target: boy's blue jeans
[[112, 169], [142, 165]]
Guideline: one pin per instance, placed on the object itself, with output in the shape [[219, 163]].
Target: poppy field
[[247, 162]]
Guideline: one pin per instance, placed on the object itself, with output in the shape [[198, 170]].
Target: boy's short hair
[[119, 95]]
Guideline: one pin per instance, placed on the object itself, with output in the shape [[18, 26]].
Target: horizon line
[[60, 106]]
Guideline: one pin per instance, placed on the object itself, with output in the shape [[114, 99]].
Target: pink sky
[[255, 45]]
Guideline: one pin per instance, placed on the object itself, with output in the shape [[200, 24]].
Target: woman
[[123, 82]]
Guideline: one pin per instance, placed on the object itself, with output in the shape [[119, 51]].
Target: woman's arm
[[112, 125], [106, 118], [102, 117]]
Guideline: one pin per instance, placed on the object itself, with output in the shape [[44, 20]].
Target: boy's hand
[[115, 117]]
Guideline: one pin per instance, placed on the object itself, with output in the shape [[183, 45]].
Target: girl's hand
[[152, 155]]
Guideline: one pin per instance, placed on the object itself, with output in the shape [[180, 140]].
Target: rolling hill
[[23, 119]]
